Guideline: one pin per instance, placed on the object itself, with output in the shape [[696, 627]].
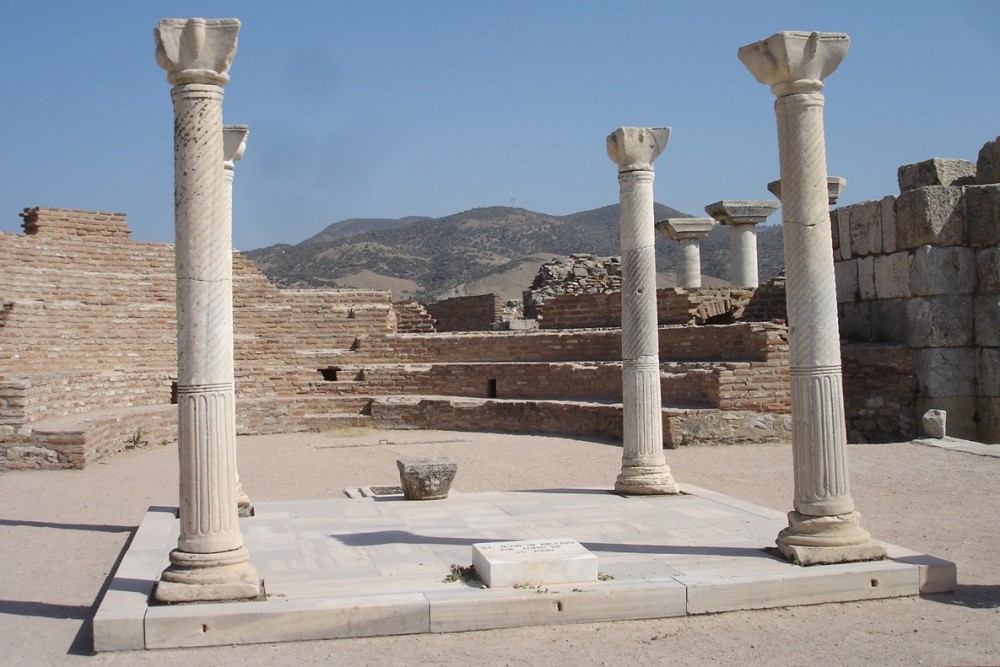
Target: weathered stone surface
[[961, 414], [888, 224], [988, 163], [988, 269], [988, 412], [888, 321], [932, 215], [866, 278], [847, 280], [844, 232], [982, 214], [835, 234], [892, 275], [946, 372], [937, 270], [988, 319], [940, 321], [866, 228], [988, 365], [426, 479], [936, 171], [934, 423], [855, 321]]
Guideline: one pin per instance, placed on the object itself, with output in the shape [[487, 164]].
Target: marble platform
[[378, 566]]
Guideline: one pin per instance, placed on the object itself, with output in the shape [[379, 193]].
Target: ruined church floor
[[371, 566]]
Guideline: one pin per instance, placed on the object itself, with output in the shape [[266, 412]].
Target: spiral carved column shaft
[[644, 469], [210, 561], [824, 528]]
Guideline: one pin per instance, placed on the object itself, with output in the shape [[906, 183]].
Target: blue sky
[[386, 109]]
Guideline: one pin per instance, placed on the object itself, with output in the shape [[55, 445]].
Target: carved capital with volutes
[[196, 50], [636, 148], [795, 62]]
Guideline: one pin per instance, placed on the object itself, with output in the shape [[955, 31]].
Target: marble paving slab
[[372, 566]]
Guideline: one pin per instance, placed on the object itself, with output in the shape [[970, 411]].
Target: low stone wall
[[673, 306], [466, 313]]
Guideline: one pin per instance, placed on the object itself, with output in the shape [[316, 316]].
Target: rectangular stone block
[[892, 275], [932, 215], [855, 320], [961, 414], [946, 372], [844, 229], [866, 278], [846, 273], [936, 171], [555, 561], [835, 233], [988, 412], [936, 270], [866, 228], [888, 321], [988, 319], [988, 269], [940, 321], [888, 224], [982, 214], [988, 362]]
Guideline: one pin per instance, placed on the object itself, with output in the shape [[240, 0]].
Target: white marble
[[535, 562], [210, 562], [644, 468], [824, 526], [742, 217], [688, 233]]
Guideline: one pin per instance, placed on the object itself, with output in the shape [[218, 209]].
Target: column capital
[[636, 148], [234, 143], [686, 229], [196, 50], [795, 61], [742, 211], [835, 186]]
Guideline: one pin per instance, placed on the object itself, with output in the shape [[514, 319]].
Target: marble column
[[688, 233], [210, 562], [234, 144], [834, 188], [824, 526], [742, 216], [644, 469]]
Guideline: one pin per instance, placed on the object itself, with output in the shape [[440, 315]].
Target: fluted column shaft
[[210, 562], [824, 528], [644, 468]]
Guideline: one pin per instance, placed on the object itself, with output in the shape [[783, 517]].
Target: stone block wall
[[673, 305], [921, 269], [466, 313]]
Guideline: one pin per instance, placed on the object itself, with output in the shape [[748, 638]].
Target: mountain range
[[493, 249]]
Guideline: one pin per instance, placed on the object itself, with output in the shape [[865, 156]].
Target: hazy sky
[[425, 107]]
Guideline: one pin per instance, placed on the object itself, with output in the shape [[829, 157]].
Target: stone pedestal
[[742, 216], [234, 143], [644, 469], [824, 528], [426, 479], [210, 562], [688, 233]]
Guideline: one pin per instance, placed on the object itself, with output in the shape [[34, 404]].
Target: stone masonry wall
[[466, 313], [922, 269]]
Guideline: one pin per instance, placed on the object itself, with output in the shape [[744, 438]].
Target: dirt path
[[62, 531]]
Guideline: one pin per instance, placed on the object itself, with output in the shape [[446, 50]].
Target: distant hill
[[494, 249]]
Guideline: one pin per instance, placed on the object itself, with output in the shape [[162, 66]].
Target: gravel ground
[[62, 532]]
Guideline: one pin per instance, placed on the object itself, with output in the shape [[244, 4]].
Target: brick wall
[[412, 317], [466, 313], [880, 392]]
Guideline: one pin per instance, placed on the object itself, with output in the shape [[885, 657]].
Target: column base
[[214, 577], [646, 481], [825, 540]]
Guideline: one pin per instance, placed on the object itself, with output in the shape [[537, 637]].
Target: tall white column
[[210, 561], [644, 469], [234, 144], [824, 527], [688, 233], [742, 216]]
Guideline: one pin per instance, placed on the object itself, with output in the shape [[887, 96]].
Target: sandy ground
[[62, 532]]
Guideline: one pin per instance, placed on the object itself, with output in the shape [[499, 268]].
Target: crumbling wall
[[922, 269], [466, 313]]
